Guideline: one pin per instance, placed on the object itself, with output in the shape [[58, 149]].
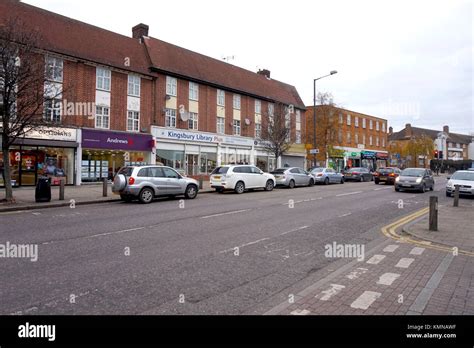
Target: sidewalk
[[84, 194], [454, 226]]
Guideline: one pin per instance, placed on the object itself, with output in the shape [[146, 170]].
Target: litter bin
[[43, 189]]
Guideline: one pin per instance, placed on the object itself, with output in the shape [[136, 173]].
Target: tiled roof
[[73, 38], [180, 61], [83, 41], [432, 133]]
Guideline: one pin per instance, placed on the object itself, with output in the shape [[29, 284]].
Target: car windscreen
[[385, 170], [127, 171], [317, 170], [220, 170], [463, 176], [413, 172], [355, 170], [279, 171]]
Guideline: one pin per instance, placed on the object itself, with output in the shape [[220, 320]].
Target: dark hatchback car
[[386, 175], [358, 174]]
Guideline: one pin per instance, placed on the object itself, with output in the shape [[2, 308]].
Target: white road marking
[[36, 214], [294, 230], [300, 312], [388, 278], [356, 273], [327, 294], [97, 235], [390, 248], [344, 215], [404, 263], [365, 300], [222, 214], [376, 259], [382, 188], [243, 245], [347, 194], [417, 251]]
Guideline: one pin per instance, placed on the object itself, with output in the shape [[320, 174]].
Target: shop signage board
[[367, 154], [53, 133], [182, 135], [98, 139]]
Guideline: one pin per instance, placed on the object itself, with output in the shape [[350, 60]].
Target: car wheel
[[311, 183], [126, 198], [448, 194], [269, 185], [146, 195], [397, 189], [326, 181], [362, 178], [342, 180], [376, 182], [432, 188], [239, 187], [191, 192], [292, 184], [423, 188]]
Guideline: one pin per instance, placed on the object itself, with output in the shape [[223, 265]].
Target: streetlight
[[314, 111]]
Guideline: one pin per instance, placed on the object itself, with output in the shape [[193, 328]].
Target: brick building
[[134, 100], [354, 139], [450, 148]]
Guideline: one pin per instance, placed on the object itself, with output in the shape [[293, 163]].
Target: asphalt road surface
[[217, 254]]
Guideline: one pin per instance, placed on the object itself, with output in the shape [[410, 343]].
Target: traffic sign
[[313, 151]]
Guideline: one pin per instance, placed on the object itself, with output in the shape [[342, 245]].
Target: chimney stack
[[446, 129], [390, 130], [408, 131], [139, 31], [264, 72]]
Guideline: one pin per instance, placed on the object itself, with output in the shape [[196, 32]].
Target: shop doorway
[[192, 164]]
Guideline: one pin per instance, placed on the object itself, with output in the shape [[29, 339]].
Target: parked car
[[358, 174], [240, 178], [327, 176], [148, 182], [465, 180], [386, 175], [415, 179], [292, 177]]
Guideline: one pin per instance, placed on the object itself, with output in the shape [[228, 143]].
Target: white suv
[[240, 178]]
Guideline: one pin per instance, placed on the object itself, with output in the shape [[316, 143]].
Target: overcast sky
[[407, 61]]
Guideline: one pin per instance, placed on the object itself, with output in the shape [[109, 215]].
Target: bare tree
[[22, 89], [326, 126], [275, 136]]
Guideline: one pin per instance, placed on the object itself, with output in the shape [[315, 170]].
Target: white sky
[[407, 61]]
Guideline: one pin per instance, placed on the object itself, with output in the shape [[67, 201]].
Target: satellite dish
[[247, 121]]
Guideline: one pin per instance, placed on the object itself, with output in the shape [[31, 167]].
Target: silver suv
[[148, 182]]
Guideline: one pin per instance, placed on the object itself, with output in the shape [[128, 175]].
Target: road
[[217, 254]]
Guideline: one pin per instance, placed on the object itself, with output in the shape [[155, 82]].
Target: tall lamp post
[[314, 111]]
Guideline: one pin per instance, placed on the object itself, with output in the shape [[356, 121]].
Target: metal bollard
[[200, 182], [62, 186], [456, 196], [104, 187], [433, 213]]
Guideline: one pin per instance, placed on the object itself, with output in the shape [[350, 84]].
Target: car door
[[295, 174], [258, 179], [304, 177], [330, 173], [430, 178], [159, 180], [173, 181]]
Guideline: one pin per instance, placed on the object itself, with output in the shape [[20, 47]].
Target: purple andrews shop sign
[[95, 139]]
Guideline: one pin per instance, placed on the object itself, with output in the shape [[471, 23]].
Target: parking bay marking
[[375, 259], [404, 263], [388, 278], [327, 294]]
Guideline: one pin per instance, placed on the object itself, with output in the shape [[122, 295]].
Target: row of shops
[[89, 155], [354, 157]]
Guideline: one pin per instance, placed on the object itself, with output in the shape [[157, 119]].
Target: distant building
[[354, 139], [450, 148]]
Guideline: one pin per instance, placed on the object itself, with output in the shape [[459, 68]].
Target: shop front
[[46, 151], [382, 159], [103, 153], [191, 153], [368, 160]]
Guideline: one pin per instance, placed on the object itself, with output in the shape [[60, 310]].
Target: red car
[[386, 175]]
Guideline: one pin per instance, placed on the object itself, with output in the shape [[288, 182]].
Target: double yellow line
[[390, 232]]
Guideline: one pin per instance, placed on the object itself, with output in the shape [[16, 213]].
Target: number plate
[[406, 185]]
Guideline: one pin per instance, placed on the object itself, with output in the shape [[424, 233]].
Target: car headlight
[[418, 180], [397, 179], [449, 184]]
